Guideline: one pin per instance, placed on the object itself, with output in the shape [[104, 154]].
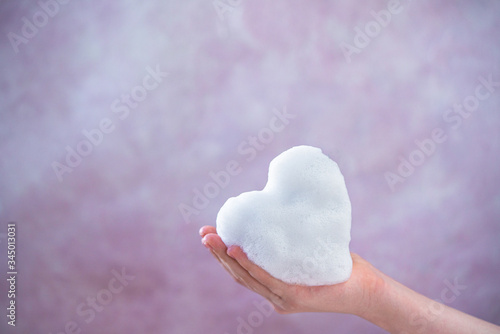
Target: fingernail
[[229, 251], [205, 243]]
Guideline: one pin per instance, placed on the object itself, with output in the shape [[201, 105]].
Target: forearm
[[399, 309]]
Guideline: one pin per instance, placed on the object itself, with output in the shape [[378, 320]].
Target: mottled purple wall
[[228, 74]]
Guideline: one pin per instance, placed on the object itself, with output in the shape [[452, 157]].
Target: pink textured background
[[119, 208]]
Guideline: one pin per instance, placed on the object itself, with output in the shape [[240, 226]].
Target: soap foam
[[298, 227]]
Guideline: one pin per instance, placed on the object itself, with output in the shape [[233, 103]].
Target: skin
[[368, 293]]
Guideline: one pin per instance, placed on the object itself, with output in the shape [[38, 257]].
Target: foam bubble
[[298, 227]]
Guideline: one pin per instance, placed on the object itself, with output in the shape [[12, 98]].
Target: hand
[[368, 293], [354, 296]]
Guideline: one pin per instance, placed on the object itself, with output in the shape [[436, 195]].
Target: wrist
[[391, 304], [373, 293], [365, 288]]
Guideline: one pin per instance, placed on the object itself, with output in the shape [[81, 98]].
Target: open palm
[[352, 296]]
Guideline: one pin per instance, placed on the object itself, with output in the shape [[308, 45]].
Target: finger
[[206, 230], [275, 285], [219, 249], [235, 269], [226, 267], [205, 242], [216, 257]]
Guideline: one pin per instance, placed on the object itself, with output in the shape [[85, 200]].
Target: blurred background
[[115, 117]]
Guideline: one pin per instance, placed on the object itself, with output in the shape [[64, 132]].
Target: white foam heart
[[298, 227]]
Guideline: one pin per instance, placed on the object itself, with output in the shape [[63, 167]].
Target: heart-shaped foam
[[298, 227]]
